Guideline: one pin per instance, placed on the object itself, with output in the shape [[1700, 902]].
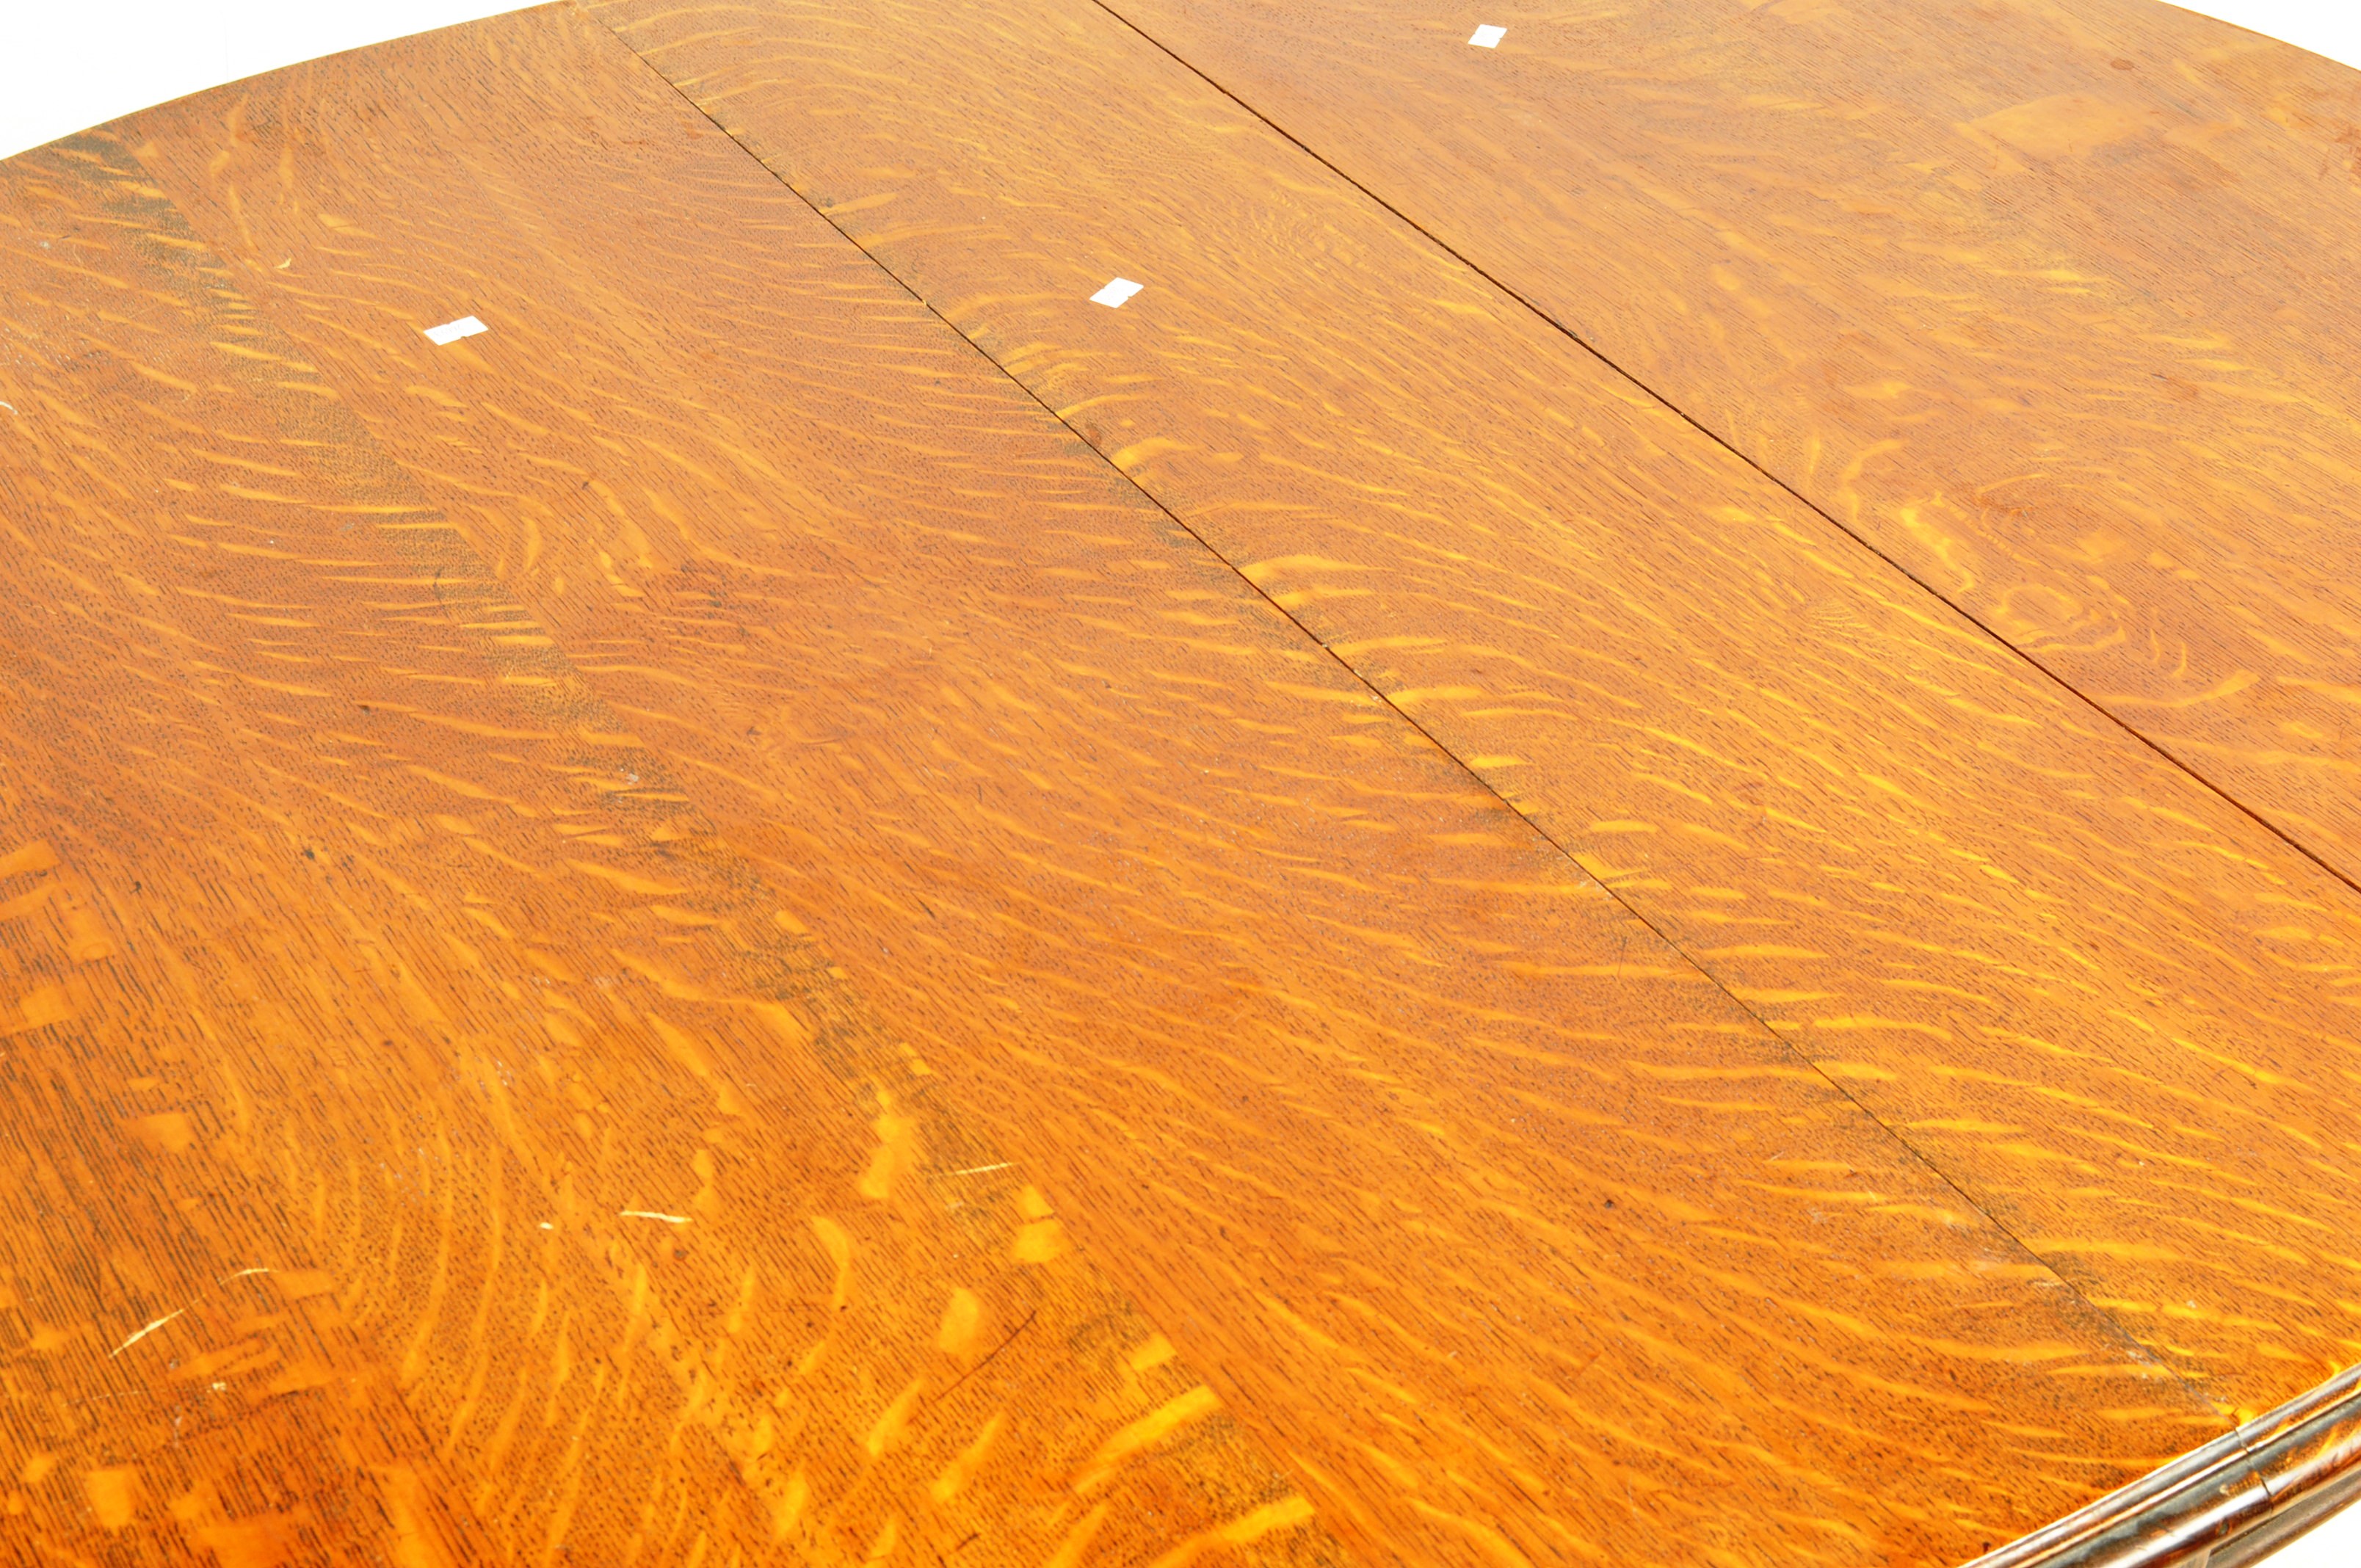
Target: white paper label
[[1489, 35], [1116, 292], [452, 332]]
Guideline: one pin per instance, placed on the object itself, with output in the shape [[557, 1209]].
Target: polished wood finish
[[2231, 1503], [687, 931], [1149, 876], [2051, 302], [2118, 1012], [430, 1141]]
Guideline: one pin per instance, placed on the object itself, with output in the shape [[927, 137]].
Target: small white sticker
[[452, 332], [1116, 293], [1488, 37]]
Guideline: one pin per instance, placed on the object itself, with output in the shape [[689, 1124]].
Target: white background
[[66, 65]]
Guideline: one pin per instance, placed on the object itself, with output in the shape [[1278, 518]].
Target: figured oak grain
[[2052, 303], [760, 736], [428, 1140], [2110, 1005]]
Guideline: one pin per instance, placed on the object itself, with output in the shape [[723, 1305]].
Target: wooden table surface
[[820, 903], [2050, 303]]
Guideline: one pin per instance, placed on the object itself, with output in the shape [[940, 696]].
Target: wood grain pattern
[[2052, 303], [429, 1140], [2113, 1009], [709, 767]]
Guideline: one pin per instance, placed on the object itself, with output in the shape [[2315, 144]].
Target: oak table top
[[2049, 303], [816, 901]]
